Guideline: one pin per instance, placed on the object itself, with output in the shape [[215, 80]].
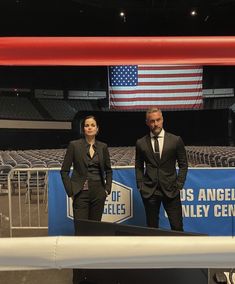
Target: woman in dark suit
[[91, 179]]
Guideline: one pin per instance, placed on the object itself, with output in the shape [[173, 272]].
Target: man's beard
[[156, 131]]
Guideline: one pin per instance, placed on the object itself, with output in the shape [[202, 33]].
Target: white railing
[[120, 252], [27, 196]]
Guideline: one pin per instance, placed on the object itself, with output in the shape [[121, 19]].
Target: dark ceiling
[[101, 17]]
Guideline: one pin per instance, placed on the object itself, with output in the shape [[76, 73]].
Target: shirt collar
[[88, 145]]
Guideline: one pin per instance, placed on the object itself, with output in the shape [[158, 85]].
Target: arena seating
[[218, 103], [58, 109], [15, 108], [213, 156], [27, 108], [204, 156], [83, 105], [198, 156]]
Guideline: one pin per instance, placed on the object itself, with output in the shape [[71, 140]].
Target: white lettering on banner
[[224, 210], [186, 194], [216, 194], [194, 211], [198, 211], [116, 195], [115, 209]]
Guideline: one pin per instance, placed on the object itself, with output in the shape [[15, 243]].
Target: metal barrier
[[28, 198]]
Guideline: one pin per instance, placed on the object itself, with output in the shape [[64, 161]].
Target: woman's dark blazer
[[76, 155]]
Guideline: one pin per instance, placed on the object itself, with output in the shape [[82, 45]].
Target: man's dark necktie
[[156, 147]]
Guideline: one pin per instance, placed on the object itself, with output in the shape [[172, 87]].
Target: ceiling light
[[123, 16], [193, 12]]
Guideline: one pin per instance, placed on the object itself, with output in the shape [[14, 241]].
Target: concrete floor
[[63, 276]]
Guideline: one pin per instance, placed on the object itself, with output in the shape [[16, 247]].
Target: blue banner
[[207, 202]]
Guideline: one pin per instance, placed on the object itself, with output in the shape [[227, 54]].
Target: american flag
[[163, 86]]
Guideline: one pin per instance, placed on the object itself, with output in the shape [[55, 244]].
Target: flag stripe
[[167, 103], [154, 95], [182, 88], [168, 75], [193, 80], [194, 98], [168, 67], [168, 83], [162, 102], [171, 72], [163, 107], [155, 91]]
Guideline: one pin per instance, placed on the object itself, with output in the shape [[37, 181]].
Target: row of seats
[[49, 158], [216, 156], [213, 156], [33, 158]]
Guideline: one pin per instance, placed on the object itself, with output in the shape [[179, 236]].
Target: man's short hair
[[151, 110]]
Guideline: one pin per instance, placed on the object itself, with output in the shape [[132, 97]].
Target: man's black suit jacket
[[76, 155], [152, 172]]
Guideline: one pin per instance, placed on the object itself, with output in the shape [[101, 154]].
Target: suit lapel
[[100, 154], [165, 145], [83, 151]]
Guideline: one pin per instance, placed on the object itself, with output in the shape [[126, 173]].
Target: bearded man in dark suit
[[157, 178]]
